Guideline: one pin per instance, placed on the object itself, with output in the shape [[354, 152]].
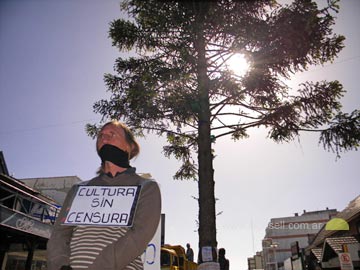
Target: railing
[[21, 222], [23, 211]]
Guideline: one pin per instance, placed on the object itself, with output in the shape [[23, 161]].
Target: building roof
[[58, 182], [337, 243], [3, 167], [333, 246], [348, 214], [18, 186], [54, 187], [306, 216], [317, 253]]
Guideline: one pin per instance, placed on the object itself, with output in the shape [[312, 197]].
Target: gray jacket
[[122, 251]]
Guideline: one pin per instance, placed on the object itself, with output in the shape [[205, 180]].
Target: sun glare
[[238, 64]]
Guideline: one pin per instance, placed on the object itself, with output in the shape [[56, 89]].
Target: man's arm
[[58, 246]]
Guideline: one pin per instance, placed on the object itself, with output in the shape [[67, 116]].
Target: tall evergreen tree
[[179, 84]]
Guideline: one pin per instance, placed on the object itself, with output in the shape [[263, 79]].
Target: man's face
[[113, 135]]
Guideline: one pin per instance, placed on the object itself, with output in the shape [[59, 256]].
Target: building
[[256, 262], [330, 242], [53, 187], [285, 233]]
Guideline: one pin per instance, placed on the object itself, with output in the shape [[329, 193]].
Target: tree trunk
[[207, 220]]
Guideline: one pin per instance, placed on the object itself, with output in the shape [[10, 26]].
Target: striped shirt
[[88, 242]]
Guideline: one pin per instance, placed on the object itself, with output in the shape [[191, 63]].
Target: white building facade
[[283, 232]]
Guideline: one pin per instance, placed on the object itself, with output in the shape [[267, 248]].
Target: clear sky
[[53, 55]]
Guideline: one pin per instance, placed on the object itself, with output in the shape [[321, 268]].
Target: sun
[[238, 64]]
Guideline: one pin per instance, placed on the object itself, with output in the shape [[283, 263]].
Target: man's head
[[222, 252], [119, 135], [116, 145]]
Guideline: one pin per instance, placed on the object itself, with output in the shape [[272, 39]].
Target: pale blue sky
[[53, 55]]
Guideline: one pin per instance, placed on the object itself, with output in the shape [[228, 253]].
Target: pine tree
[[179, 84]]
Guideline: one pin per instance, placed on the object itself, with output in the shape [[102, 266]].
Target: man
[[108, 247], [224, 263], [189, 253]]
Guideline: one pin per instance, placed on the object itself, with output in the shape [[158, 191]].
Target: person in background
[[108, 247], [224, 263], [189, 253]]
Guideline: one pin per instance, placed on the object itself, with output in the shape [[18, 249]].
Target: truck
[[174, 258]]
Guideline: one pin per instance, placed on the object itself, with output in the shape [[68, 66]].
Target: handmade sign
[[206, 253], [103, 206]]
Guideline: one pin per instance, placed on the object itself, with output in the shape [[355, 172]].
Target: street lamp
[[270, 259]]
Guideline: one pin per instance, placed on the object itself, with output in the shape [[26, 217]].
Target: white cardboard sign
[[206, 254], [103, 206], [151, 255]]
